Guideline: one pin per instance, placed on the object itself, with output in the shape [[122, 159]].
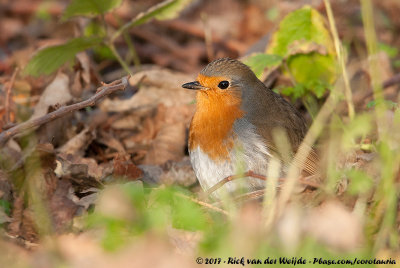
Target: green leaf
[[360, 126], [392, 52], [304, 25], [309, 68], [259, 62], [51, 58], [295, 92], [360, 182], [187, 215], [388, 103], [173, 10], [90, 7], [305, 43], [94, 28], [168, 9], [6, 206]]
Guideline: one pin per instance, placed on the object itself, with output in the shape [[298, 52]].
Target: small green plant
[[303, 50], [145, 210], [97, 35]]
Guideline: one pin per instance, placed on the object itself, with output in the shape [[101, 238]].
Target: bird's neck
[[212, 124]]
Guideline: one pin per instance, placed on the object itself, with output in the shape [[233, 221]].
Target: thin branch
[[243, 197], [204, 204], [250, 173], [391, 81], [8, 97], [395, 79], [101, 92]]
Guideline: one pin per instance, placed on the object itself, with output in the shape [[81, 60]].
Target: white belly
[[249, 154]]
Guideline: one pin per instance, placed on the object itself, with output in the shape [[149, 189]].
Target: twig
[[101, 92], [250, 196], [8, 97], [250, 173], [204, 204], [385, 85], [244, 197], [391, 81]]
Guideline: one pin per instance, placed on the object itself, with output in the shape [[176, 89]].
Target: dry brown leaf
[[62, 208], [84, 61], [56, 93], [18, 207], [10, 28], [82, 75], [156, 86], [131, 121], [5, 187], [180, 173], [305, 47], [82, 172], [125, 168], [147, 132], [110, 141], [78, 144], [169, 144]]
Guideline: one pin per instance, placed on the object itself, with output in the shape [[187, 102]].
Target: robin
[[233, 125]]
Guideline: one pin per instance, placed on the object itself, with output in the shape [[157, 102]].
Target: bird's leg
[[302, 180], [234, 177]]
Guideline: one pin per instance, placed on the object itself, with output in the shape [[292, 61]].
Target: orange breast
[[211, 127]]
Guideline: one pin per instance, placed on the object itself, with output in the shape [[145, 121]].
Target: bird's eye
[[223, 84]]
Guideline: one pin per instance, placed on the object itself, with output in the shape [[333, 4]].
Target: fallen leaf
[[62, 208], [78, 144], [110, 141], [56, 93], [179, 173], [125, 168], [156, 86], [82, 172], [169, 144]]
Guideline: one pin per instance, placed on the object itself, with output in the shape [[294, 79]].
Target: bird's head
[[223, 76]]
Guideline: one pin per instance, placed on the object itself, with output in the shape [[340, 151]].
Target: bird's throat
[[212, 124]]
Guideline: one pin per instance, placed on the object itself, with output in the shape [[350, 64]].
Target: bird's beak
[[193, 85]]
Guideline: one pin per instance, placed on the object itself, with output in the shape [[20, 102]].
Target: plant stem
[[341, 59], [374, 71], [132, 50], [143, 17], [119, 58]]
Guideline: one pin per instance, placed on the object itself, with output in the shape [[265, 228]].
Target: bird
[[233, 124]]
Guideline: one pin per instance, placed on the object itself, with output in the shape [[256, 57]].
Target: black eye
[[223, 84]]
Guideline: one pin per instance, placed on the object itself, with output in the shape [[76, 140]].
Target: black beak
[[193, 85]]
